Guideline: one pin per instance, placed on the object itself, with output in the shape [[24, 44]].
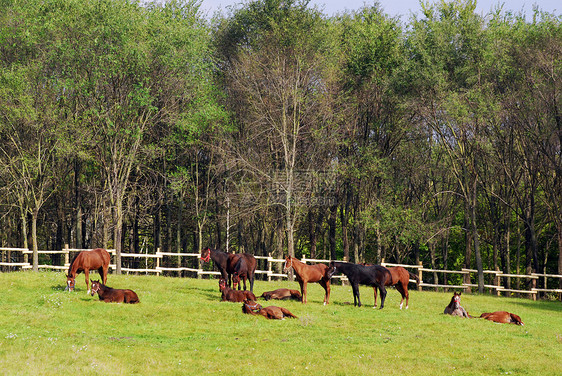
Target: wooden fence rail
[[160, 262]]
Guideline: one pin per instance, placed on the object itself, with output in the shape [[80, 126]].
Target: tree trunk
[[34, 217]]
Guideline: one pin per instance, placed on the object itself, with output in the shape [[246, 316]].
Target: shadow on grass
[[542, 305]]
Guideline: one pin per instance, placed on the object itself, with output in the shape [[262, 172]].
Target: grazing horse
[[372, 275], [400, 279], [454, 308], [244, 268], [230, 295], [97, 259], [109, 295], [282, 294], [271, 312], [226, 262], [502, 317], [309, 273]]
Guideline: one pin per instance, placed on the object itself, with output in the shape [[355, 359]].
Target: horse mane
[[72, 262]]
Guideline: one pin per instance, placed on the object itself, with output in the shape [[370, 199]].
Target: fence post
[[497, 281], [269, 269], [157, 259], [66, 255], [534, 286], [420, 275]]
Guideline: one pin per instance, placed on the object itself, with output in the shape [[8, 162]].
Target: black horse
[[373, 275]]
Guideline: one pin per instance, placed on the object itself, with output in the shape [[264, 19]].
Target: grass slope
[[181, 327]]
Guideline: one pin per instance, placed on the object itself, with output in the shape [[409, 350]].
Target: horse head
[[516, 319], [95, 287], [456, 300], [70, 282], [331, 270], [222, 284], [288, 264], [235, 280], [251, 306], [206, 254]]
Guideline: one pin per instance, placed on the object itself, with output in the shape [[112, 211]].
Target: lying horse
[[400, 278], [226, 262], [97, 259], [271, 312], [454, 308], [502, 317], [244, 268], [282, 294], [230, 295], [309, 273], [109, 295], [373, 275]]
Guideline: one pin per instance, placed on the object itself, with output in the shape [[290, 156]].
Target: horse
[[454, 308], [400, 278], [372, 275], [244, 268], [97, 259], [109, 295], [226, 262], [309, 273], [271, 312], [502, 317], [282, 294], [231, 295]]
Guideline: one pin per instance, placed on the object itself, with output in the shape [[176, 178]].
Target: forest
[[272, 128]]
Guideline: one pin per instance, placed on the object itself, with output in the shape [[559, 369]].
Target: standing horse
[[244, 268], [226, 262], [97, 259], [372, 275], [400, 278], [454, 308], [109, 295], [309, 273], [502, 317], [272, 312]]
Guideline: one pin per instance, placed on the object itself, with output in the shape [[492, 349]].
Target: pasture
[[181, 327]]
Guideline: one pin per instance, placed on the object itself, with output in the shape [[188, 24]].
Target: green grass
[[181, 327]]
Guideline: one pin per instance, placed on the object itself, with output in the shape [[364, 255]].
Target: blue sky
[[403, 8]]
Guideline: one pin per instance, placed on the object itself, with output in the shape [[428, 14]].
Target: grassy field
[[181, 327]]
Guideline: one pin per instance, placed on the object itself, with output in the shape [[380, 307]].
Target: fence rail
[[161, 262]]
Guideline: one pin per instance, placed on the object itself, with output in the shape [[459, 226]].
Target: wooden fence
[[171, 262]]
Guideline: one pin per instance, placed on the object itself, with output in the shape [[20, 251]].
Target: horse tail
[[413, 276]]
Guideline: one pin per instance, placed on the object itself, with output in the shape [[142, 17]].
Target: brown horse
[[242, 266], [231, 295], [97, 259], [226, 262], [282, 294], [309, 273], [502, 317], [400, 279], [272, 312], [109, 295], [454, 308]]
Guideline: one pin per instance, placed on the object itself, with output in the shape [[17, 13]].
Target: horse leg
[[251, 278], [356, 299], [326, 285], [244, 282], [400, 288], [303, 292], [375, 293], [87, 274], [382, 290]]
